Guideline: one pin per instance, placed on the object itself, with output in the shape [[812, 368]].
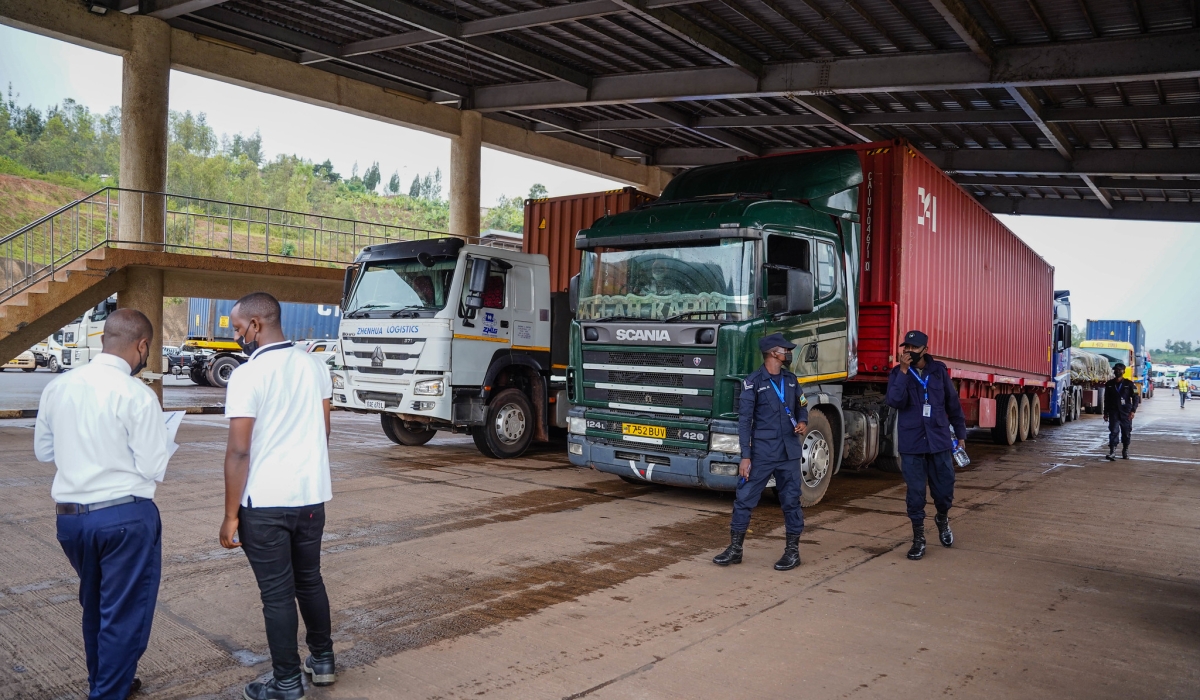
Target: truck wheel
[[1035, 416], [816, 468], [54, 365], [197, 377], [1023, 413], [401, 434], [508, 428], [1008, 420], [220, 370]]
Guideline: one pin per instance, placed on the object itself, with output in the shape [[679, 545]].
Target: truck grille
[[640, 397], [649, 378], [662, 359]]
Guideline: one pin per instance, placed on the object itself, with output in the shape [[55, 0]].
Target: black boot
[[732, 553], [321, 668], [918, 546], [791, 554], [1110, 457], [942, 520], [1124, 451], [275, 689]]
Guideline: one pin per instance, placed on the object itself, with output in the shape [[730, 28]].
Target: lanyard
[[923, 382], [779, 392], [273, 346]]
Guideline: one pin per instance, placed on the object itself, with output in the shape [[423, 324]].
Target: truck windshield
[[1114, 355], [388, 287], [710, 280]]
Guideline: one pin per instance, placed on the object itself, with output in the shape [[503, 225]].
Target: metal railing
[[190, 225]]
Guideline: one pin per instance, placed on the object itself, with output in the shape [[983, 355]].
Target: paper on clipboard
[[173, 420]]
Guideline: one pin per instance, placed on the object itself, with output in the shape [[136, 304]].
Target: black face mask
[[141, 365], [787, 359], [915, 357], [247, 347]]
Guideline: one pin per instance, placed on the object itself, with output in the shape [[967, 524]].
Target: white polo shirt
[[282, 388]]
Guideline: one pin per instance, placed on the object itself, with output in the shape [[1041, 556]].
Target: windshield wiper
[[364, 308], [688, 314], [618, 318], [412, 310]]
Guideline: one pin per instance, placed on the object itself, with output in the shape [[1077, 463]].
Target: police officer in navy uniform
[[1121, 401], [919, 388], [772, 417]]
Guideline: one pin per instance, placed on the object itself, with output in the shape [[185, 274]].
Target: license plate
[[637, 430], [375, 404]]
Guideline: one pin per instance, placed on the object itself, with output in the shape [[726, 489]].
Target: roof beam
[[967, 28], [1159, 56], [836, 117], [969, 181], [168, 9], [1090, 208], [687, 122], [560, 123], [421, 19], [683, 28], [1029, 102]]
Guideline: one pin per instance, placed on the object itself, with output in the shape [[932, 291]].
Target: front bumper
[[397, 398]]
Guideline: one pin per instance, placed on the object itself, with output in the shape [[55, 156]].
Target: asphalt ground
[[455, 576], [22, 390]]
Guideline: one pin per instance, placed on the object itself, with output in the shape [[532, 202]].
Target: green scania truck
[[839, 249]]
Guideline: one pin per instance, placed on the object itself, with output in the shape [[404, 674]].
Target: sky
[[1121, 270]]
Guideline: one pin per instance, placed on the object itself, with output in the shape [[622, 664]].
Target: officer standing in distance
[[1121, 401], [919, 388], [772, 415]]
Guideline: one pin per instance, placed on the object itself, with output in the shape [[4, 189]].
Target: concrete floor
[[453, 576], [23, 390]]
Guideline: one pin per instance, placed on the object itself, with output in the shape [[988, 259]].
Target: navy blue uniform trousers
[[787, 482], [117, 553], [935, 469], [1119, 426]]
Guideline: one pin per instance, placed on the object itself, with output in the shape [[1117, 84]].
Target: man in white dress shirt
[[276, 485], [104, 431]]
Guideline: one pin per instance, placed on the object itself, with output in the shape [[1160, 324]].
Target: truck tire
[[1008, 420], [28, 369], [219, 371], [401, 434], [54, 365], [1023, 414], [819, 461], [197, 376], [1035, 416], [508, 427], [1064, 409]]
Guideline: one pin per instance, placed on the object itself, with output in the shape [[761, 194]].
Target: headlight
[[577, 425], [338, 383], [724, 442], [429, 387]]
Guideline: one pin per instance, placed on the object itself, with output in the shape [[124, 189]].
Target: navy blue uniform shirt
[[1121, 397], [764, 431], [918, 434]]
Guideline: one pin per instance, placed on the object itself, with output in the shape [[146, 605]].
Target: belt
[[85, 508]]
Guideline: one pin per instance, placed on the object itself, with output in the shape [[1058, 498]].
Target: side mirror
[[799, 292], [478, 282], [573, 295], [348, 282]]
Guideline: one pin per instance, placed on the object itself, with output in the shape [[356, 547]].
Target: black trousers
[[1119, 425], [284, 549], [935, 469]]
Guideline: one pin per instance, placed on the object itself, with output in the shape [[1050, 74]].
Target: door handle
[[504, 324]]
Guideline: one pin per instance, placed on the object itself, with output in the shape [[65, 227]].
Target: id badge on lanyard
[[779, 393], [926, 410]]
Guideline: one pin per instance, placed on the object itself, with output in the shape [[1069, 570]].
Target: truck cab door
[[479, 333], [784, 251], [830, 292]]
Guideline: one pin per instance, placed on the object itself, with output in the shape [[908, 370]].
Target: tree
[[371, 178], [394, 184], [1077, 335], [248, 146], [507, 215], [326, 173], [414, 190], [538, 191]]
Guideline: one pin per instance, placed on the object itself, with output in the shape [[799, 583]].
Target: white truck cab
[[81, 339], [442, 335]]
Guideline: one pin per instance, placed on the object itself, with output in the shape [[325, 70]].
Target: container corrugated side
[[299, 321], [1132, 332], [551, 225], [953, 269]]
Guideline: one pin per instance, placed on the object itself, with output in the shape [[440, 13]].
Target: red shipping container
[[551, 225], [934, 259]]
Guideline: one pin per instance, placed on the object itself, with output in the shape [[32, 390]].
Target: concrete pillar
[[144, 291], [464, 176], [145, 77]]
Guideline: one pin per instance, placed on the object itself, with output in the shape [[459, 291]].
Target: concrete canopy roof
[[1061, 107]]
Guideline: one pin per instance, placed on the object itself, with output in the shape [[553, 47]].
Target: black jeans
[[284, 549]]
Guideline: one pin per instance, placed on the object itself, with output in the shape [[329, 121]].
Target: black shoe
[[918, 546], [135, 686], [1125, 452], [291, 689], [321, 668], [942, 521], [1110, 456], [791, 554], [732, 553]]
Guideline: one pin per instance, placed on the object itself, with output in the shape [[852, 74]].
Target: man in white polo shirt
[[104, 431], [276, 485]]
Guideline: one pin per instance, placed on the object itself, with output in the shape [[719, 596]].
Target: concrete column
[[144, 291], [145, 77], [464, 176]]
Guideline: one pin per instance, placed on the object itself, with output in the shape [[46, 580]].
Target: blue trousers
[[935, 469], [1120, 426], [117, 553], [787, 484]]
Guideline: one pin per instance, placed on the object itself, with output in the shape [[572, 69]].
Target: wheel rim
[[1013, 420], [817, 458], [510, 424], [224, 372]]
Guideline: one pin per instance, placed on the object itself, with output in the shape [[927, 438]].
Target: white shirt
[[282, 390], [104, 431]]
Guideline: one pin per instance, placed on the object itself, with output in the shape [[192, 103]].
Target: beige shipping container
[[551, 225]]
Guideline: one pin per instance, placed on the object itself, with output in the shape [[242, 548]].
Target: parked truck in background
[[466, 338], [1089, 372], [81, 338], [1133, 333], [842, 250]]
